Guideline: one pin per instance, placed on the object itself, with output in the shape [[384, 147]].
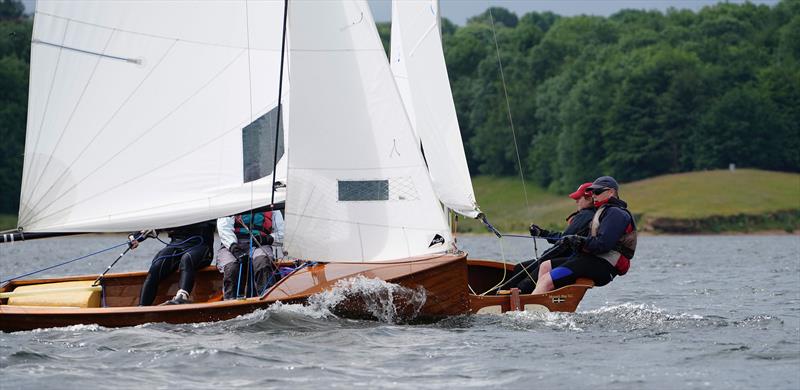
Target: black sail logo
[[437, 240]]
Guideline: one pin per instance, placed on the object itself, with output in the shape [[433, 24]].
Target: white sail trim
[[421, 75], [359, 186], [136, 111]]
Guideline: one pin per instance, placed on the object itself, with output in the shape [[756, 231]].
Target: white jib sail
[[137, 111], [419, 69], [359, 189]]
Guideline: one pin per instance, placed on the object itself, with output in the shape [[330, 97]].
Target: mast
[[280, 94]]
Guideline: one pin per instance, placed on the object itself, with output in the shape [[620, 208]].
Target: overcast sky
[[458, 11]]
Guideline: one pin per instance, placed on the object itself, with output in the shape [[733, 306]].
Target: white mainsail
[[419, 69], [137, 109], [359, 189]]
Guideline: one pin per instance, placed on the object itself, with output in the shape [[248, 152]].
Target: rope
[[503, 280], [502, 252], [511, 121], [64, 263]]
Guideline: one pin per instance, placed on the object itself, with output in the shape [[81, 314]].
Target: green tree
[[11, 9]]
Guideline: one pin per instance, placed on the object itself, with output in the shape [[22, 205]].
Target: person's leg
[[162, 266], [545, 283], [519, 274], [600, 271], [529, 276], [229, 281], [194, 259], [545, 268], [263, 269], [549, 272], [229, 267]]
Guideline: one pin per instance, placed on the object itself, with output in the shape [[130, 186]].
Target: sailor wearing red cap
[[526, 272], [603, 253]]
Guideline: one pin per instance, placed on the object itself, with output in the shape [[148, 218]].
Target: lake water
[[696, 312]]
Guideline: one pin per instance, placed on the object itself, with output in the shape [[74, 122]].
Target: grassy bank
[[746, 200], [711, 201]]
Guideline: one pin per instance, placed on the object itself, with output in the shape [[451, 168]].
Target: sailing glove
[[237, 251], [574, 241], [536, 231]]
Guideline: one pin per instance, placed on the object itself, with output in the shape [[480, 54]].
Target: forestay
[[419, 69], [137, 110], [359, 189]]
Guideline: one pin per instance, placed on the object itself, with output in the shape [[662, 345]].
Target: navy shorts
[[566, 270]]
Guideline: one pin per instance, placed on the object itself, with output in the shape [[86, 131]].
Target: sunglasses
[[598, 191]]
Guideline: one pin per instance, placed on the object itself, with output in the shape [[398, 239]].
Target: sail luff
[[359, 186], [418, 65]]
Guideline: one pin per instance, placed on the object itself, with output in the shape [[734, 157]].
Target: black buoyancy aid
[[260, 222], [624, 250]]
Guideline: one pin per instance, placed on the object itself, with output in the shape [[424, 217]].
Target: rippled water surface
[[694, 312]]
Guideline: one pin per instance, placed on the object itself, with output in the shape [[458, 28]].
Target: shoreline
[[776, 232]]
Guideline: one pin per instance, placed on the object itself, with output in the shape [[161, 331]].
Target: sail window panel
[[258, 146], [363, 190], [393, 189]]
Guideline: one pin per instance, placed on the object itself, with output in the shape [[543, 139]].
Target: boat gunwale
[[214, 305]]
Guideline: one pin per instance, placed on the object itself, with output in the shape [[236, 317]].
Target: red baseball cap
[[581, 191]]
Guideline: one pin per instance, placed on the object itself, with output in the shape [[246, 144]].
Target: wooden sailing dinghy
[[114, 304], [484, 275], [145, 114]]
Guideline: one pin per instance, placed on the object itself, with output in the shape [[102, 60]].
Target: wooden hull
[[443, 277], [484, 274], [446, 280]]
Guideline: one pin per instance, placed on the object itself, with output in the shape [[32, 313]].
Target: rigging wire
[[64, 263], [511, 121]]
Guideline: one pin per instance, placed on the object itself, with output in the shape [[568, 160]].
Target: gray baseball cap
[[604, 182]]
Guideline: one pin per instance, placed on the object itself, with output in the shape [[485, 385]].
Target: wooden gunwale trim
[[189, 307], [571, 296], [505, 297], [490, 264], [444, 259]]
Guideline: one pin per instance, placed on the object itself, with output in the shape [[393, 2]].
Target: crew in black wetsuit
[[605, 252], [190, 249], [526, 272]]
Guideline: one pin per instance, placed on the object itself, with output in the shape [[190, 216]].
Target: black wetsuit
[[190, 249], [579, 223]]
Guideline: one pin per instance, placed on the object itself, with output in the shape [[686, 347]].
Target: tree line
[[15, 49], [633, 95]]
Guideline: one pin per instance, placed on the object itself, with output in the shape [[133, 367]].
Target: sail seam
[[362, 223], [146, 132], [336, 50], [104, 127], [44, 113], [151, 35], [199, 147], [356, 169], [71, 116], [421, 39]]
